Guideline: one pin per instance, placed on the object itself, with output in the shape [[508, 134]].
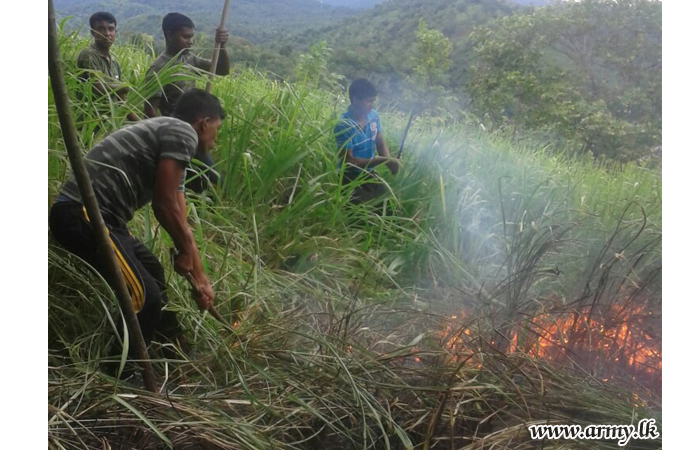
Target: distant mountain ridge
[[359, 4], [255, 20]]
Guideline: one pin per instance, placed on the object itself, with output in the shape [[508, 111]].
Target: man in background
[[179, 37], [97, 62], [360, 143]]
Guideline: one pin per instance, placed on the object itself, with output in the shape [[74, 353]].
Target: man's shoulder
[[373, 116], [168, 122], [87, 54], [160, 62], [344, 123]]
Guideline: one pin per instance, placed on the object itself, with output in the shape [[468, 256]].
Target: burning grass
[[510, 284]]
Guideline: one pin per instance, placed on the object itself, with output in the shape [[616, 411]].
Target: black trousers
[[371, 188], [141, 269], [207, 174]]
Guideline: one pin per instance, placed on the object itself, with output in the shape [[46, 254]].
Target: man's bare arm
[[223, 65], [383, 158], [383, 151], [170, 210], [150, 107]]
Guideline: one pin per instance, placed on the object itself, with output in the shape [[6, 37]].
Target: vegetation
[[455, 323], [254, 20], [584, 75], [587, 72], [581, 75]]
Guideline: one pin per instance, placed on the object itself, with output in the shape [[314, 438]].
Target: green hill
[[255, 20], [379, 42]]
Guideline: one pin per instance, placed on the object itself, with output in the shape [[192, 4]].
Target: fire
[[598, 338]]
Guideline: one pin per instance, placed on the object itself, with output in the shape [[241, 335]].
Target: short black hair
[[361, 89], [102, 17], [196, 103], [174, 21]]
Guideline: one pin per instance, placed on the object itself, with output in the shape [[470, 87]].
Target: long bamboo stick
[[217, 49], [90, 201], [405, 133]]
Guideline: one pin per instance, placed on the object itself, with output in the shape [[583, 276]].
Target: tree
[[587, 73], [432, 54], [430, 62], [312, 68]]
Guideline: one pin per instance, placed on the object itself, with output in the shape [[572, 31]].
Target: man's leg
[[168, 329], [370, 189], [71, 229]]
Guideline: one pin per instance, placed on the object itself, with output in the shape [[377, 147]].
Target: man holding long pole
[[138, 164], [178, 30]]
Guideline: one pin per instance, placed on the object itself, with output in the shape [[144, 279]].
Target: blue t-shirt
[[349, 135]]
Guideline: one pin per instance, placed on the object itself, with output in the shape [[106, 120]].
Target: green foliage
[[586, 73], [255, 20], [432, 57], [312, 68], [380, 43], [344, 336]]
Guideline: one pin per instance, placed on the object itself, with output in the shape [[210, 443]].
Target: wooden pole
[[405, 133], [217, 49], [90, 202], [214, 313]]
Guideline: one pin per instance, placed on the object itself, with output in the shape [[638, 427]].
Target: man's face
[[365, 105], [207, 131], [104, 33], [182, 39]]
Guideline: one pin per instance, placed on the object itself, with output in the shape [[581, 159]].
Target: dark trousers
[[371, 188], [370, 191], [201, 177], [142, 271]]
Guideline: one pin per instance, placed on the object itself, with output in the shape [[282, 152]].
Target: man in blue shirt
[[357, 134]]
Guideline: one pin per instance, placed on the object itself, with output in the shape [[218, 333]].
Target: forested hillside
[[585, 75], [254, 20], [380, 43], [360, 4]]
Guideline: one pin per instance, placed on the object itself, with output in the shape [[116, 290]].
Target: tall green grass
[[346, 319]]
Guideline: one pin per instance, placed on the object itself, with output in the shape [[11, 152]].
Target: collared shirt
[[170, 93], [90, 58], [122, 167], [360, 140]]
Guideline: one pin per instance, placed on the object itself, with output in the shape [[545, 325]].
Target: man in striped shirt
[[139, 164], [178, 31]]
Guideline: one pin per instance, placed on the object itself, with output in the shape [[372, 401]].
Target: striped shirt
[[360, 141], [122, 167]]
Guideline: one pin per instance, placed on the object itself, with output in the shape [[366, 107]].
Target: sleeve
[[343, 135], [85, 61], [150, 74], [202, 63], [177, 142]]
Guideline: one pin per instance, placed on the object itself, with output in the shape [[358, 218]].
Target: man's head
[[179, 32], [363, 94], [103, 27], [204, 112]]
